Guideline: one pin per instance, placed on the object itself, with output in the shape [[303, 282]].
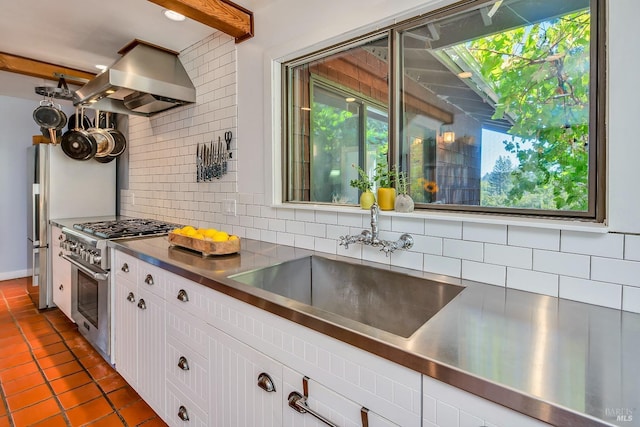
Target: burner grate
[[125, 228]]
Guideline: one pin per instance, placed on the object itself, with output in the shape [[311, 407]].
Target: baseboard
[[8, 275]]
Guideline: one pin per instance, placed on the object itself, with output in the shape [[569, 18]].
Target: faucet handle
[[344, 241]]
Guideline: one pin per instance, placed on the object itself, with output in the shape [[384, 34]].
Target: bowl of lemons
[[207, 241]]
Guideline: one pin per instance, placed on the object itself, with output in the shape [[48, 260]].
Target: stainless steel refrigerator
[[61, 187]]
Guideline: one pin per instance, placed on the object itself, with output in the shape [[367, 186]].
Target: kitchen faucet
[[370, 237]]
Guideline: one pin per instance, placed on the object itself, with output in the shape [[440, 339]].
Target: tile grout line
[[63, 411], [3, 399]]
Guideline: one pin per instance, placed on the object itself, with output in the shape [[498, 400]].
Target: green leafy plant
[[363, 183], [402, 183], [384, 176]]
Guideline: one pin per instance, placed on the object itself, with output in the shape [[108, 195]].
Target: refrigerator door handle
[[35, 218]]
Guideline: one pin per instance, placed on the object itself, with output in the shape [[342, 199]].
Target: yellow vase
[[367, 199], [386, 198]]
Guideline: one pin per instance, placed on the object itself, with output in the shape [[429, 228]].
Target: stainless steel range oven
[[85, 247]]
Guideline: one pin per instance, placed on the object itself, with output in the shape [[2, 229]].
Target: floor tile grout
[[58, 329]]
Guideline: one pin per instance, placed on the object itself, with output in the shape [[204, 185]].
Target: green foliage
[[384, 176], [541, 76], [363, 183]]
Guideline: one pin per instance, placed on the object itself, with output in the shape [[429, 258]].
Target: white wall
[[566, 259], [17, 127]]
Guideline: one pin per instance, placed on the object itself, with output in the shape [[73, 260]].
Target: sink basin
[[384, 299]]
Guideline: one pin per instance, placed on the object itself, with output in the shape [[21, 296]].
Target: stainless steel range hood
[[147, 80]]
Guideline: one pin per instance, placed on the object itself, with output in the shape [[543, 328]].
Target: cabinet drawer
[[186, 329], [151, 278], [187, 295], [177, 404], [188, 371], [126, 266], [325, 402]]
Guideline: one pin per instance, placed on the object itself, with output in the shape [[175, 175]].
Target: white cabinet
[[60, 273], [139, 323], [447, 406], [323, 402], [246, 385]]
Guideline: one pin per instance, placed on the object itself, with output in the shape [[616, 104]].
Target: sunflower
[[430, 186]]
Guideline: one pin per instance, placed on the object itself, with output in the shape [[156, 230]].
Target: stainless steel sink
[[384, 299]]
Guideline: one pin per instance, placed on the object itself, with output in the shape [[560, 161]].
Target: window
[[487, 107]]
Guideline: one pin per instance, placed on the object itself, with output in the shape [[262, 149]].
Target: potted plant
[[364, 184], [404, 202], [385, 178]]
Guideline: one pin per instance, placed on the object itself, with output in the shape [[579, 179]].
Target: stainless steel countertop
[[560, 361]]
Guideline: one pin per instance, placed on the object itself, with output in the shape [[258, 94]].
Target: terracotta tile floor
[[50, 375]]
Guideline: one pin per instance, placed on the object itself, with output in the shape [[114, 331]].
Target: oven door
[[90, 305]]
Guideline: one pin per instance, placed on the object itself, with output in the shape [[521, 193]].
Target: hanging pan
[[118, 138], [78, 143], [103, 139], [49, 118]]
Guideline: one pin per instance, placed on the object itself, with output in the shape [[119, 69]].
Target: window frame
[[596, 211]]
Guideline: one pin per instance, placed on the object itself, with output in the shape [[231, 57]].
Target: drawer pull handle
[[60, 254], [266, 383], [125, 267], [299, 404], [131, 297], [61, 237], [183, 414], [142, 305], [182, 295], [148, 280], [183, 364], [60, 287]]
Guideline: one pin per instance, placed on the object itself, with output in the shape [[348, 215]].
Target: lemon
[[233, 237], [177, 231], [189, 232], [210, 232], [220, 236], [188, 228], [198, 236]]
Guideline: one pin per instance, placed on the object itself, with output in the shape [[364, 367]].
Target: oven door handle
[[98, 275]]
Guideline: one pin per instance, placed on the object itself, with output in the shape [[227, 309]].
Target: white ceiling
[[82, 33]]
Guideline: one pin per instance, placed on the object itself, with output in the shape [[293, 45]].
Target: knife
[[198, 164]]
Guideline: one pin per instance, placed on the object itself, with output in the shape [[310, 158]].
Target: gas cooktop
[[125, 228]]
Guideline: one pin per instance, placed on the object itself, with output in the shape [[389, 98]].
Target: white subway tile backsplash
[[441, 228], [631, 299], [561, 263], [315, 229], [407, 225], [442, 265], [632, 247], [326, 217], [305, 242], [326, 245], [532, 281], [489, 233], [486, 273], [427, 244], [305, 215], [350, 219], [285, 239], [462, 249], [277, 225], [511, 256], [536, 238], [296, 227], [615, 271], [591, 292], [406, 259], [602, 244]]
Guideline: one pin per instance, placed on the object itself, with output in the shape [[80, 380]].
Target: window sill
[[553, 224]]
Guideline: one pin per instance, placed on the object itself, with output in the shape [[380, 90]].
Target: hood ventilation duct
[[147, 80]]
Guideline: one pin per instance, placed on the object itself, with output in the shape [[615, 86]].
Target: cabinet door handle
[[60, 287], [125, 267], [60, 254], [142, 305], [148, 280], [266, 383], [299, 403], [131, 297], [183, 414], [61, 237], [182, 295], [183, 364]]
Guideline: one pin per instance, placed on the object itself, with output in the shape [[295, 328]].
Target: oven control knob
[[97, 259]]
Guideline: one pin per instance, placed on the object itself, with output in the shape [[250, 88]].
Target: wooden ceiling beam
[[44, 70], [222, 15]]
